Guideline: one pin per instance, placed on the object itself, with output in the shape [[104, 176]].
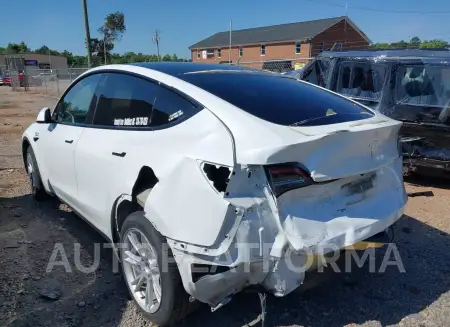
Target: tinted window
[[279, 99], [73, 108], [361, 80], [310, 74], [170, 107], [125, 100]]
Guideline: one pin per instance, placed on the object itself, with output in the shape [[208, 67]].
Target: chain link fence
[[278, 65], [50, 81]]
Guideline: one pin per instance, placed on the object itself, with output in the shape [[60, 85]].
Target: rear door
[[106, 153], [57, 143], [137, 122]]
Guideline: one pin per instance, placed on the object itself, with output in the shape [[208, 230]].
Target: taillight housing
[[286, 177]]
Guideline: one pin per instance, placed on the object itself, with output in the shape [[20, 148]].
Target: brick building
[[289, 44]]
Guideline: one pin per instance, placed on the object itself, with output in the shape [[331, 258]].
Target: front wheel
[[34, 177], [150, 272]]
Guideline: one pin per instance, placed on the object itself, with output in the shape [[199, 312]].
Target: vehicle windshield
[[279, 99], [423, 85], [361, 80]]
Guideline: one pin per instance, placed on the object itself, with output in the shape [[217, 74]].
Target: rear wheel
[[155, 287], [34, 177]]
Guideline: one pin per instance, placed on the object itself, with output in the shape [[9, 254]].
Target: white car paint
[[202, 224]]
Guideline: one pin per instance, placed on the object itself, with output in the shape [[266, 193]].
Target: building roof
[[301, 31]]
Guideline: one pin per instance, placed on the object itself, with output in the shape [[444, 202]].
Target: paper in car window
[[330, 112], [175, 115]]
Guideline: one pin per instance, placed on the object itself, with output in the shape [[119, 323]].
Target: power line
[[381, 10]]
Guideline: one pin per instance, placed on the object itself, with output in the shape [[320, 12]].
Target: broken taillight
[[287, 177]]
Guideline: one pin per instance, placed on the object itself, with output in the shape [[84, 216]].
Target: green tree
[[98, 48], [167, 58], [174, 57], [434, 44], [43, 50], [112, 30], [415, 42], [17, 48], [399, 45]]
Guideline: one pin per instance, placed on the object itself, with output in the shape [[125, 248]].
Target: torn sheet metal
[[275, 233]]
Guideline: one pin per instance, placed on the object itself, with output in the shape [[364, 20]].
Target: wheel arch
[[128, 203], [25, 145]]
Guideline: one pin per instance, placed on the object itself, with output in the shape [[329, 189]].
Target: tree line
[[414, 43], [81, 61], [101, 47]]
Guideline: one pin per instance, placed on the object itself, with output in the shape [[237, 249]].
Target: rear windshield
[[279, 99]]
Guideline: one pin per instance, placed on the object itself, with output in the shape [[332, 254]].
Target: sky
[[59, 24]]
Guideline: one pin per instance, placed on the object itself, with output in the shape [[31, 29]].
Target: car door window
[[73, 108], [362, 80], [125, 100], [317, 72], [171, 108]]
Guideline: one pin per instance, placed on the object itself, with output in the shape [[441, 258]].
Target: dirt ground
[[29, 232]]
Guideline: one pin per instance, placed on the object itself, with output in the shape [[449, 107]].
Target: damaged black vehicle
[[412, 86]]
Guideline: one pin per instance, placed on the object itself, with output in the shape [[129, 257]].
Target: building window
[[298, 47], [198, 54], [339, 46], [263, 50], [210, 53], [241, 52], [219, 53]]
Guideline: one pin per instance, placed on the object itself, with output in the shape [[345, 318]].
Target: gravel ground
[[30, 296]]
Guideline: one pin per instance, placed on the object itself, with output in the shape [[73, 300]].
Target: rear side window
[[361, 80], [279, 99], [171, 108], [126, 101]]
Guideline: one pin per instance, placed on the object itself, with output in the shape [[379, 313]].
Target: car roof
[[406, 54], [180, 68]]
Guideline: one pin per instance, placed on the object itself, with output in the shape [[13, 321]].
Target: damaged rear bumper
[[278, 276], [274, 242]]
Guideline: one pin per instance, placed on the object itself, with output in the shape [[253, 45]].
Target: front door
[[59, 140]]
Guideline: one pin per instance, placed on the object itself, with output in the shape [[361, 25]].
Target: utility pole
[[345, 27], [50, 60], [88, 34], [229, 48], [156, 39], [104, 43]]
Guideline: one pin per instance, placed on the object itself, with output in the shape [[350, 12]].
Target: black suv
[[412, 86]]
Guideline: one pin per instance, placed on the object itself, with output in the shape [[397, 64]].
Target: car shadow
[[100, 298], [437, 180]]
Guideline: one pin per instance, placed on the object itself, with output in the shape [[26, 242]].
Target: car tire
[[173, 303], [37, 188]]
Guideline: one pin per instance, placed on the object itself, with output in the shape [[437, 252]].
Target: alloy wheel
[[141, 270]]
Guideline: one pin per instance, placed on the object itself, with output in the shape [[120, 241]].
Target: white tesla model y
[[212, 178]]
